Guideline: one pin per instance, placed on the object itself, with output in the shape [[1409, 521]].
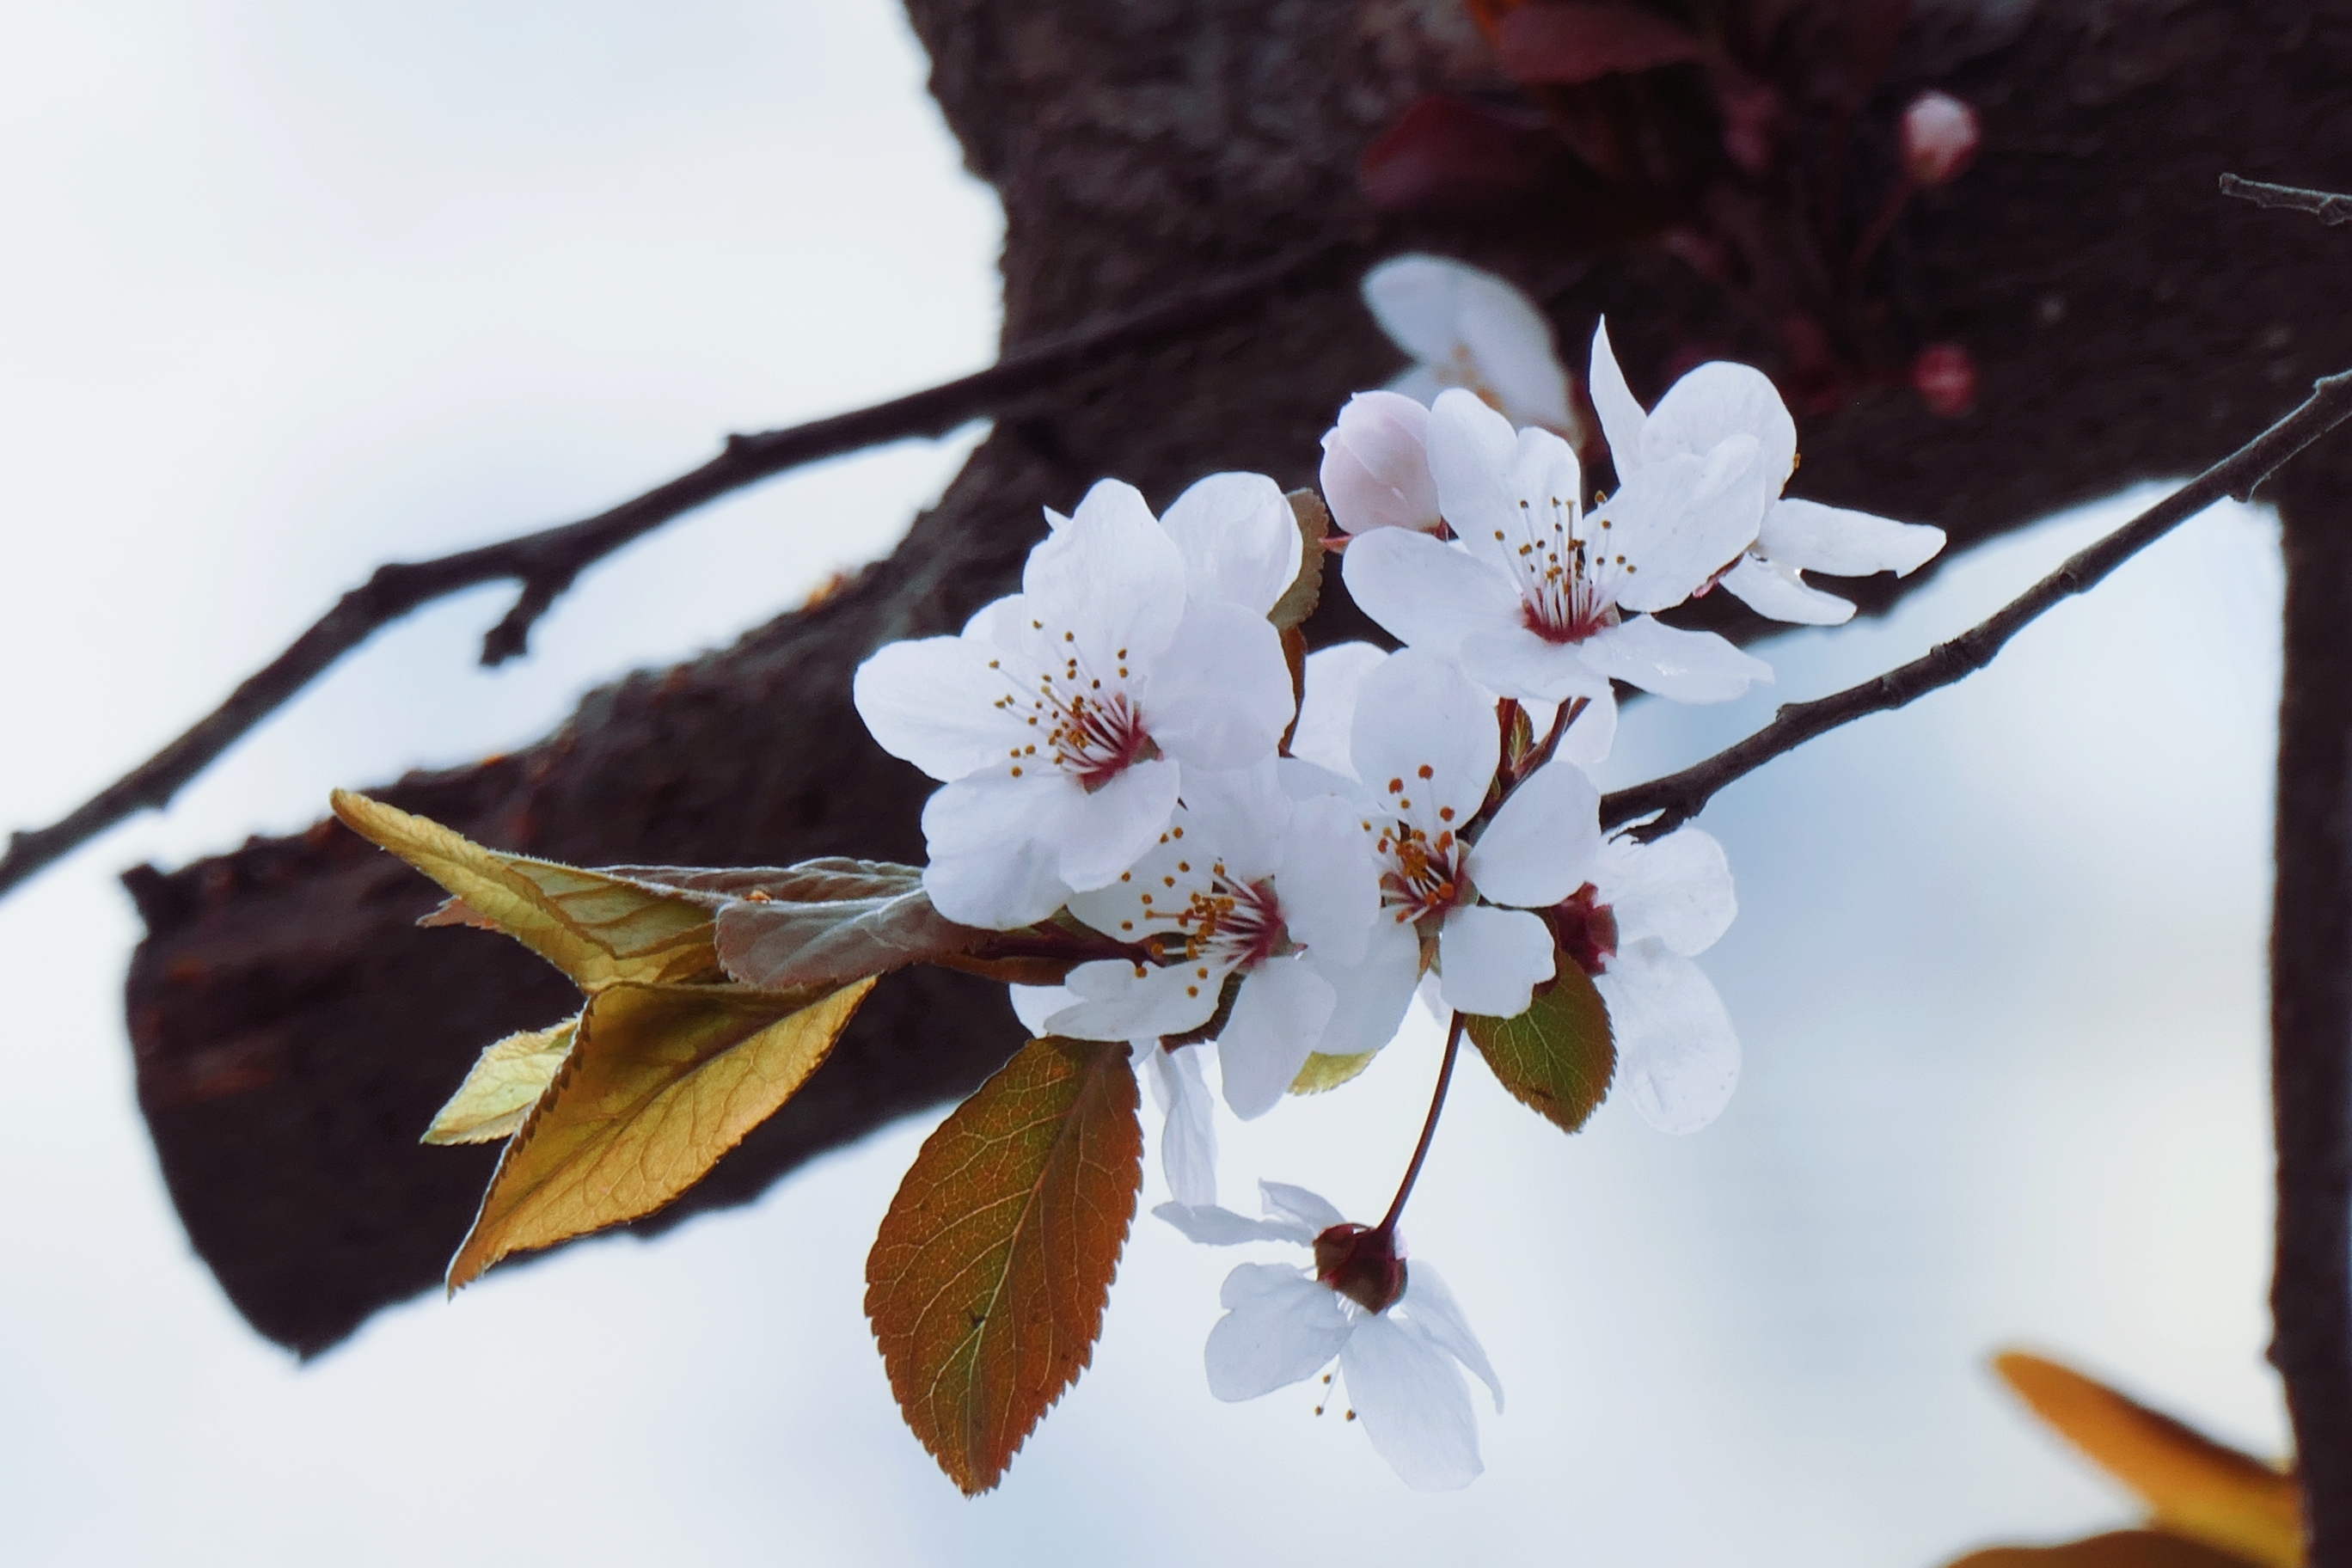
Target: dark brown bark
[[292, 1032], [2311, 1001]]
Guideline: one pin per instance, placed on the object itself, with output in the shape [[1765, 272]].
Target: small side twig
[[1677, 797], [546, 564], [2326, 205]]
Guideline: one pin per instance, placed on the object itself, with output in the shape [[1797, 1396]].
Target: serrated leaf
[[2194, 1486], [1557, 1056], [834, 876], [1323, 1074], [600, 929], [987, 1281], [505, 1082], [2118, 1549], [778, 944], [1306, 590], [661, 1081]]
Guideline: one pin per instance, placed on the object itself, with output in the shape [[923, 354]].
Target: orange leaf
[[987, 1281], [2121, 1549], [661, 1081], [2194, 1486]]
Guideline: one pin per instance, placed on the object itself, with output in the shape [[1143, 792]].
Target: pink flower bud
[[1376, 464], [1940, 137], [1945, 376]]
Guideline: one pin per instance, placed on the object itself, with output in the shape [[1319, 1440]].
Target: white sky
[[291, 289]]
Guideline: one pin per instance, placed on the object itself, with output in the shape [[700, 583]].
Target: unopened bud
[[1940, 137], [1945, 376], [1362, 1263], [1376, 464]]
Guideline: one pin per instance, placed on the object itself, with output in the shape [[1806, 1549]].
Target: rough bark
[[292, 1032], [2311, 1001]]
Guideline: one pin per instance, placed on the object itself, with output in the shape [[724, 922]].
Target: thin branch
[[2326, 205], [1677, 797], [546, 564]]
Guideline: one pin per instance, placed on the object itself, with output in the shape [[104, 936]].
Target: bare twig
[[2326, 205], [545, 563], [1677, 797]]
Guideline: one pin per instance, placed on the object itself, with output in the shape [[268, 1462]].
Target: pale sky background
[[291, 289]]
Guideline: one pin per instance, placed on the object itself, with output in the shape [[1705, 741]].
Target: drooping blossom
[[1542, 601], [1281, 896], [1064, 718], [1718, 402], [1424, 748], [1465, 327], [1648, 912], [1400, 1337], [1376, 464]]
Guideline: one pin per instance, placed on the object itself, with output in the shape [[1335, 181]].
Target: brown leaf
[[2119, 1549], [599, 929], [498, 1094], [662, 1080], [1558, 1056], [1570, 44], [2195, 1487], [1306, 590], [780, 942], [987, 1282]]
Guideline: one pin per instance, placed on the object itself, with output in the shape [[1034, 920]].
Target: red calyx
[[1586, 928], [1362, 1263]]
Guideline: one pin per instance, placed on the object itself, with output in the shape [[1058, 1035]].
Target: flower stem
[[1428, 1129]]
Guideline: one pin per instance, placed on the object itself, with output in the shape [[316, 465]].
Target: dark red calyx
[[1362, 1263], [1586, 928]]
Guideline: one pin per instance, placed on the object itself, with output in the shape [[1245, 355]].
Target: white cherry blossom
[[1280, 894], [1376, 464], [1064, 717], [1466, 328], [1400, 1337], [1542, 601], [1716, 401]]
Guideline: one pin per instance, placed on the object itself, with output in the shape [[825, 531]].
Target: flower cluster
[[1263, 859]]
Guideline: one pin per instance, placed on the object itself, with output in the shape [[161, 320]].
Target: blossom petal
[[1676, 1054], [1472, 450], [1512, 661], [1188, 1146], [1677, 889], [995, 858], [1328, 712], [1033, 1005], [1239, 539], [1429, 1303], [1213, 1226], [1426, 593], [1219, 697], [1720, 399], [1412, 1401], [1542, 843], [1329, 885], [1281, 1327], [1686, 667], [1620, 415], [1426, 736], [1678, 522], [1811, 537], [1118, 1002], [1105, 831], [1511, 351], [1770, 588], [1490, 961], [1375, 470], [1307, 1213], [1110, 583], [934, 703], [1416, 301], [1373, 994], [1592, 733], [1278, 1016], [1240, 820]]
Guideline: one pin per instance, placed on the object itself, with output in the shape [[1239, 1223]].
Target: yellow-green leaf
[[2194, 1486], [508, 1080], [1558, 1056], [661, 1081], [599, 929], [2119, 1549], [987, 1281], [1323, 1074]]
